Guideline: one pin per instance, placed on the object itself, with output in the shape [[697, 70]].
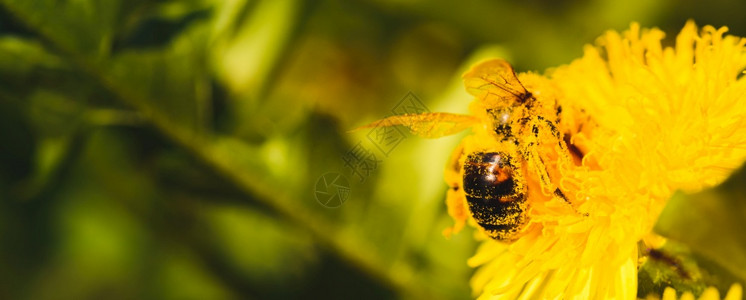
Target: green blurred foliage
[[711, 224], [170, 149]]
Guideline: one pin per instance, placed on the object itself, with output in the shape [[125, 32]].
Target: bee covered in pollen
[[512, 158]]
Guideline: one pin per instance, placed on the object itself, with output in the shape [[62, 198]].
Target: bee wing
[[494, 80], [428, 125]]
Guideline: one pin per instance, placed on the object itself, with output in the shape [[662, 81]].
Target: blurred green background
[[172, 149]]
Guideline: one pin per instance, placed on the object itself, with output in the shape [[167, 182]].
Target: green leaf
[[672, 265], [711, 224], [155, 31]]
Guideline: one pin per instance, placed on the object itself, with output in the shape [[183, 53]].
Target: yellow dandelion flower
[[565, 174], [734, 293], [648, 120]]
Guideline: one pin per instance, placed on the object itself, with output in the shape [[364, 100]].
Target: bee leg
[[537, 164], [455, 198], [536, 161], [563, 153]]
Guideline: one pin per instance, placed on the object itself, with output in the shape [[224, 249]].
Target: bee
[[512, 156]]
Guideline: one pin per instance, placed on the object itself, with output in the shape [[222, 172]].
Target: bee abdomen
[[495, 196]]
